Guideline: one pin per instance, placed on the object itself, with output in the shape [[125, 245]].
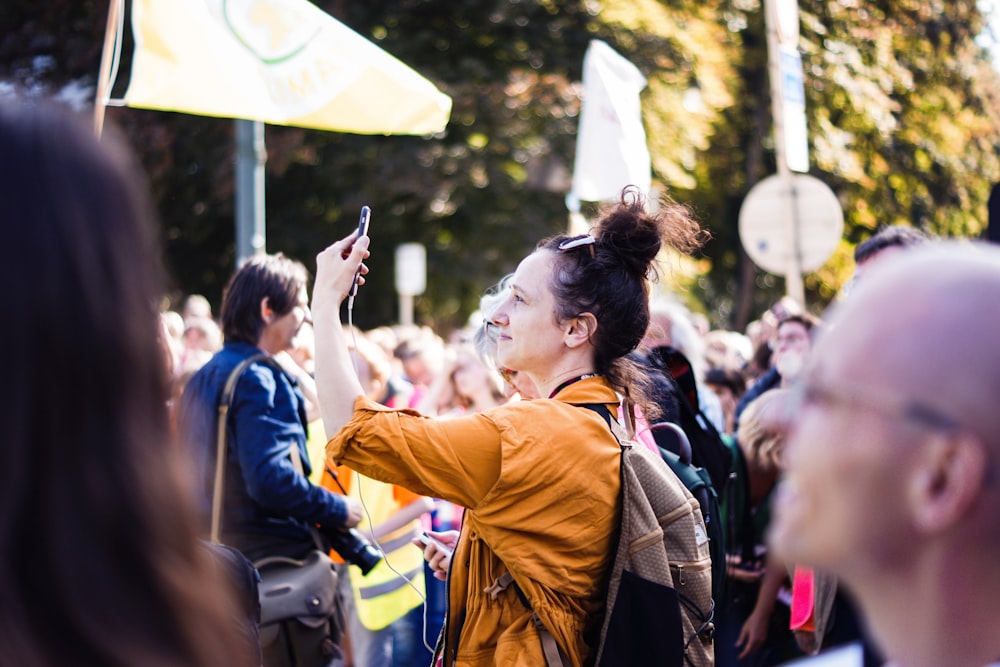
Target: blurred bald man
[[891, 479]]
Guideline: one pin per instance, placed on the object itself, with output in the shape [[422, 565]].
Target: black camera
[[353, 548]]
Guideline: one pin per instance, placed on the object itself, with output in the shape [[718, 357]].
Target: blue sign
[[792, 88]]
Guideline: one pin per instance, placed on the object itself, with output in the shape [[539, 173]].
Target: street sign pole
[[781, 22], [411, 278], [250, 159]]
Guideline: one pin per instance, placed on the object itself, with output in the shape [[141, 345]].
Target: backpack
[[697, 481], [658, 607], [659, 604], [708, 450], [712, 473]]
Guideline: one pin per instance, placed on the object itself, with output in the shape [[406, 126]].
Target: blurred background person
[[201, 339], [671, 326], [100, 563], [761, 334], [886, 242], [173, 325], [729, 350], [420, 352], [753, 628], [196, 306], [791, 346], [465, 385], [729, 385]]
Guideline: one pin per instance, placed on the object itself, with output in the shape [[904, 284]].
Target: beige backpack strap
[[225, 402], [553, 656], [628, 407]]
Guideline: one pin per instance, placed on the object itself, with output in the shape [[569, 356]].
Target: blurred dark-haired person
[[268, 504], [729, 385], [884, 243], [539, 478], [100, 563]]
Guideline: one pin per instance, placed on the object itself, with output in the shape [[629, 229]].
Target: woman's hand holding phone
[[340, 268], [438, 549], [366, 214]]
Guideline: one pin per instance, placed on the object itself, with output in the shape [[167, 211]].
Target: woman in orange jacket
[[539, 478]]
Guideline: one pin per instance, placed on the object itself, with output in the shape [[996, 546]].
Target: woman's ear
[[266, 314], [580, 329]]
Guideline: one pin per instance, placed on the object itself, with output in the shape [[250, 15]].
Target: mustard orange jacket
[[540, 481]]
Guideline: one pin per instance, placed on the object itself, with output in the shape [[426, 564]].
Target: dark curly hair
[[610, 277]]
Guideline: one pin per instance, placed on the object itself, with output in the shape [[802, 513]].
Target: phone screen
[[366, 214]]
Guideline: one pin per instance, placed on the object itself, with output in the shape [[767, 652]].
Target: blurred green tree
[[902, 105]]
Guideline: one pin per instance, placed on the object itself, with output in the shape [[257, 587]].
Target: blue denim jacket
[[268, 505]]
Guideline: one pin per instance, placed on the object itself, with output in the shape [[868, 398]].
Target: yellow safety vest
[[383, 596]]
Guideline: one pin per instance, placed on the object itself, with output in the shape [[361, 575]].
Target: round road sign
[[766, 234]]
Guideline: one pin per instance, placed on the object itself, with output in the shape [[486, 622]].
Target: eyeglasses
[[490, 330], [579, 242], [787, 339], [811, 393]]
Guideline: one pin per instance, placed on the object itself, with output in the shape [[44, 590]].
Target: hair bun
[[634, 236]]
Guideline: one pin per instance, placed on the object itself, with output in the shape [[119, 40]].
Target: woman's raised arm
[[337, 382]]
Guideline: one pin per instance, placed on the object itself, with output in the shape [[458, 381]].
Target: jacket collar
[[589, 390]]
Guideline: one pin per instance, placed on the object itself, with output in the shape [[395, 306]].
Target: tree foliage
[[902, 110]]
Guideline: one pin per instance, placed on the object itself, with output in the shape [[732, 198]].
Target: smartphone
[[427, 540], [366, 214]]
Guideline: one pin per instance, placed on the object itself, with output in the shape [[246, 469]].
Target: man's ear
[[580, 329], [950, 475], [266, 314]]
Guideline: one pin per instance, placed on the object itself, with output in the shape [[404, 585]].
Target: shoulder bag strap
[[226, 402]]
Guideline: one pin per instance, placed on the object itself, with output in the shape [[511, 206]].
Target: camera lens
[[354, 548]]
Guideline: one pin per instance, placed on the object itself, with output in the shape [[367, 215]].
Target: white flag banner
[[611, 149], [284, 62]]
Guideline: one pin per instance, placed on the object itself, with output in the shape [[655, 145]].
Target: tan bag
[[299, 613]]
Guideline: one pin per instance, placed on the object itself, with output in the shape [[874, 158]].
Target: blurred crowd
[[850, 485], [451, 375]]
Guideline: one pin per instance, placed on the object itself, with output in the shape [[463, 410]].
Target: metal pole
[[250, 158], [406, 309], [104, 82], [793, 276]]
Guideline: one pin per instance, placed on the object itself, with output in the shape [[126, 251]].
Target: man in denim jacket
[[268, 504]]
